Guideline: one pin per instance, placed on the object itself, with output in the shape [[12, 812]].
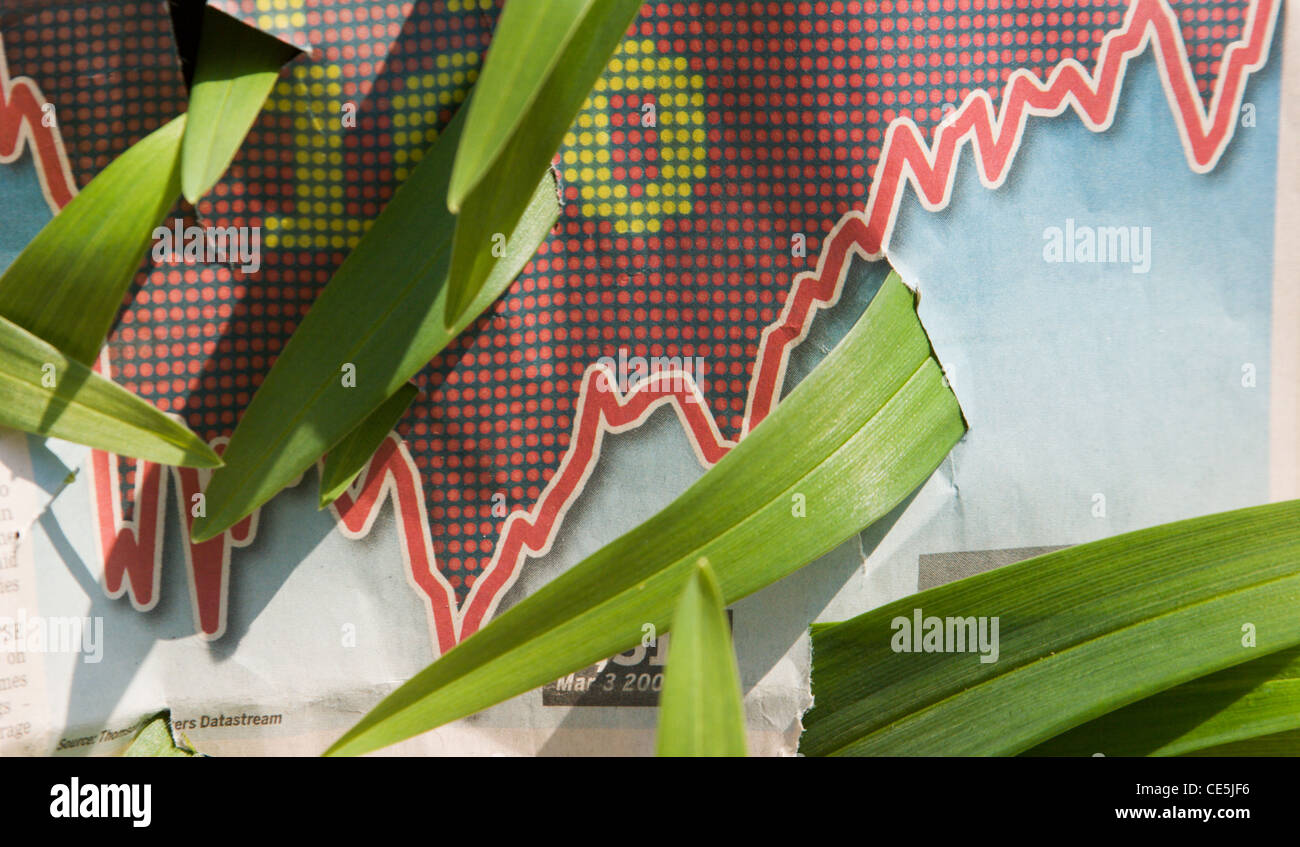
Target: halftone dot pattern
[[289, 20], [639, 143], [310, 97], [281, 14], [1207, 27], [110, 69], [174, 335], [777, 112]]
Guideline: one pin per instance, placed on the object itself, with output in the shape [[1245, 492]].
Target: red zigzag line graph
[[27, 119], [905, 159], [995, 138]]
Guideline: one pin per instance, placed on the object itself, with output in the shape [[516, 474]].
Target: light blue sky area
[[1085, 379]]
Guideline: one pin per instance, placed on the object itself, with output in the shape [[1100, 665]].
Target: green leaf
[[84, 407], [1281, 744], [542, 63], [1250, 700], [234, 72], [347, 459], [1083, 632], [864, 429], [700, 711], [155, 741], [67, 285], [382, 315]]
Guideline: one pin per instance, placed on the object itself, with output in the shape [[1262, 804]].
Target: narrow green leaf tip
[[700, 710], [234, 72]]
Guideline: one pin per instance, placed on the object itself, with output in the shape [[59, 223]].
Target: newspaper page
[[1096, 201]]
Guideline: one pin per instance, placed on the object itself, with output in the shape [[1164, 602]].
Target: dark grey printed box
[[942, 568]]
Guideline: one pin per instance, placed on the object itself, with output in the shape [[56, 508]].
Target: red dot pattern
[[1208, 26], [110, 69], [798, 97]]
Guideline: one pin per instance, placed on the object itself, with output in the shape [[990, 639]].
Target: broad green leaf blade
[[155, 741], [543, 61], [700, 710], [347, 458], [234, 72], [1083, 632], [1281, 744], [864, 429], [1250, 700], [67, 285], [379, 320], [46, 393]]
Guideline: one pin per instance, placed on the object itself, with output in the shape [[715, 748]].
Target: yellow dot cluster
[[682, 140], [281, 14], [313, 96]]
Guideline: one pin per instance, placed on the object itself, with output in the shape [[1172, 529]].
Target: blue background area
[[25, 209], [1085, 379]]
